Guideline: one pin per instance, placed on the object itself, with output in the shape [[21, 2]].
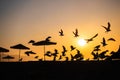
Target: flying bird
[[20, 60], [60, 57], [97, 48], [91, 39], [72, 47], [31, 41], [108, 27], [76, 33], [36, 57], [61, 32], [78, 55], [55, 53], [95, 55], [72, 57], [29, 52], [48, 38], [104, 42], [64, 51], [111, 39], [102, 54], [48, 53]]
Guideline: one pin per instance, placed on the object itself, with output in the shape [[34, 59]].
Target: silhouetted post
[[54, 59], [44, 52], [19, 55], [0, 57]]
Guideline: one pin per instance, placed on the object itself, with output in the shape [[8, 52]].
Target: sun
[[82, 42]]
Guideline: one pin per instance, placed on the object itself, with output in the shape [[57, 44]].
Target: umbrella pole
[[19, 55], [44, 52], [0, 57]]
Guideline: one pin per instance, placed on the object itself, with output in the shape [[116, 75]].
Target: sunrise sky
[[25, 20]]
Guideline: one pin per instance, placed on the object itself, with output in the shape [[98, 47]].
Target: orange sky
[[24, 20]]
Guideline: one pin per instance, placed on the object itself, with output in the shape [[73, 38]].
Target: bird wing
[[61, 31], [98, 46], [36, 56], [64, 49], [104, 40], [48, 38], [60, 57], [111, 39], [76, 31], [104, 52], [71, 47], [31, 41], [105, 27], [93, 53], [95, 36], [72, 57], [109, 25], [27, 54]]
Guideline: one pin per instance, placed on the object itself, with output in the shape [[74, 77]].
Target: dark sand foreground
[[49, 70]]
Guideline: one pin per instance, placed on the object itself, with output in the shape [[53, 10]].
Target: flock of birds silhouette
[[78, 56]]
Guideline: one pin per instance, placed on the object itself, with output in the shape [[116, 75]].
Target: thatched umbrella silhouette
[[43, 43], [2, 50], [20, 47], [8, 57]]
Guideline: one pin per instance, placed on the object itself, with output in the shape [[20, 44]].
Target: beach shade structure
[[44, 43], [8, 57], [20, 47], [3, 50]]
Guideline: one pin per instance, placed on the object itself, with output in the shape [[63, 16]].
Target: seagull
[[48, 38], [111, 39], [60, 57], [76, 33], [95, 55], [97, 48], [31, 41], [36, 57], [64, 51], [78, 55], [72, 47], [112, 52], [61, 32], [29, 52], [20, 60], [72, 57], [102, 54], [104, 42], [55, 53], [48, 53], [91, 39], [108, 27]]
